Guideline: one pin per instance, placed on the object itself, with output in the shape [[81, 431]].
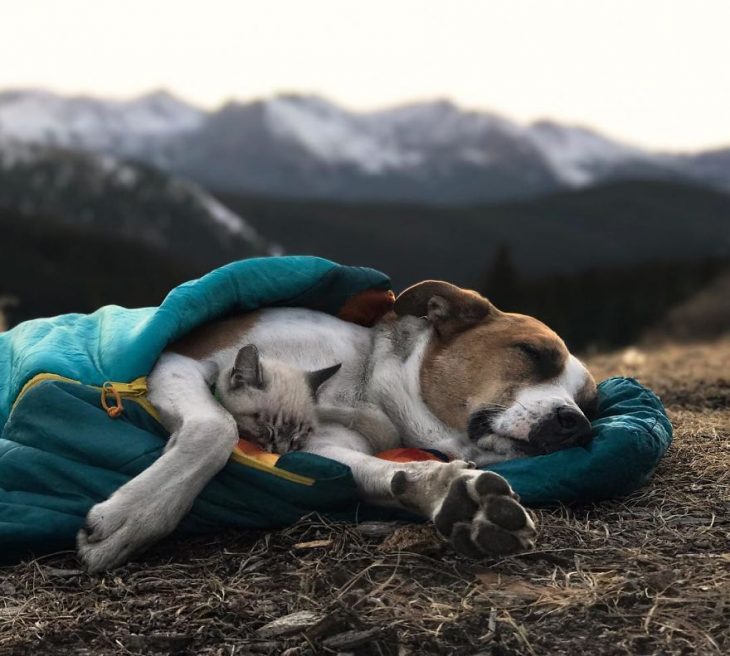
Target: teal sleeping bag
[[60, 453]]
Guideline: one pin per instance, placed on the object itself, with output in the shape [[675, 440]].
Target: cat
[[275, 405]]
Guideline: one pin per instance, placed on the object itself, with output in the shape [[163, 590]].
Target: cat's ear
[[247, 368], [317, 378]]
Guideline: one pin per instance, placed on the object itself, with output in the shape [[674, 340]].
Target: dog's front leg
[[476, 511], [152, 504]]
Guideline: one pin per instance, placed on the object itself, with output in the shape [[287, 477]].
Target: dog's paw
[[476, 511], [114, 531]]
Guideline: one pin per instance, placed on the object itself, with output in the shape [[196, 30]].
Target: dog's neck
[[394, 384]]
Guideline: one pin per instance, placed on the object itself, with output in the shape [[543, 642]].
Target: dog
[[447, 368]]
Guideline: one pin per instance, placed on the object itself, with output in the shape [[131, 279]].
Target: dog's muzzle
[[565, 427]]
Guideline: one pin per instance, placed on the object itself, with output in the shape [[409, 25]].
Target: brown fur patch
[[209, 338], [487, 364]]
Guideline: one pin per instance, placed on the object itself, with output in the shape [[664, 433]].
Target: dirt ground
[[649, 574]]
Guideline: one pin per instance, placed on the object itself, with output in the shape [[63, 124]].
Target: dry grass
[[649, 574], [703, 315]]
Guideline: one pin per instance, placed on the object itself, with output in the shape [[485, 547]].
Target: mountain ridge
[[295, 145], [135, 201]]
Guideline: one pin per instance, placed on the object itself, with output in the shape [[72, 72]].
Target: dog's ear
[[317, 378], [449, 308], [247, 369]]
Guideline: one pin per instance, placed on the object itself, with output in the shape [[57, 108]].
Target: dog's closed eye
[[546, 362], [531, 351]]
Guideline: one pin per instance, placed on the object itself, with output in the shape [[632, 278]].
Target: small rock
[[633, 357], [7, 588], [352, 639], [289, 624], [661, 580], [330, 624], [376, 529]]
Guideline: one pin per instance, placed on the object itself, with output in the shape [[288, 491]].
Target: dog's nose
[[570, 420], [565, 427]]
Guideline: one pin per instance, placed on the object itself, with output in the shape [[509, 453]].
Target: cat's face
[[276, 433], [274, 405]]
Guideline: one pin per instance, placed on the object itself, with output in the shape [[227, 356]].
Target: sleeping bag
[[76, 425]]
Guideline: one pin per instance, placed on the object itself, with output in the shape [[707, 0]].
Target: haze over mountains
[[295, 146]]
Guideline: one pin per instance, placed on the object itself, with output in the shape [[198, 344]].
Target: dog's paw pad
[[507, 513], [491, 483], [458, 506], [461, 540], [496, 541], [399, 483]]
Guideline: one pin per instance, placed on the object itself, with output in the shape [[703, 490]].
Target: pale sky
[[652, 72]]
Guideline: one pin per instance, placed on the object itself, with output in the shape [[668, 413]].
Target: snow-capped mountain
[[580, 156], [117, 198], [305, 146], [138, 127]]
